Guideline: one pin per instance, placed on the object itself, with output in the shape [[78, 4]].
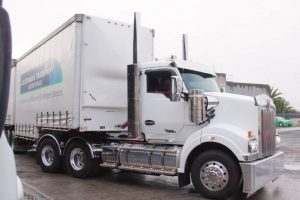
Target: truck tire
[[78, 160], [48, 156], [216, 175]]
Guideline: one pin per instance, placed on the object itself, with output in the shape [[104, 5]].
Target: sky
[[252, 41]]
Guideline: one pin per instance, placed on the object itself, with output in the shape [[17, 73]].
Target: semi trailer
[[91, 96]]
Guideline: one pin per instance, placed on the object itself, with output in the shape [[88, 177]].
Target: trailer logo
[[46, 74]]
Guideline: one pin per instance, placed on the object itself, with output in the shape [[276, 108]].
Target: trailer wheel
[[215, 175], [48, 156], [78, 160]]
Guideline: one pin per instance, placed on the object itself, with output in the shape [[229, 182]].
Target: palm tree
[[282, 105], [275, 93]]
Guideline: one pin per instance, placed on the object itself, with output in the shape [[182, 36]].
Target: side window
[[159, 82]]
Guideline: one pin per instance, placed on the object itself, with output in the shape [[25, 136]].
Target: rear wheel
[[78, 160], [215, 175], [48, 156]]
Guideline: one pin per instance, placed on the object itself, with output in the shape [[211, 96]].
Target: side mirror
[[176, 88], [5, 59]]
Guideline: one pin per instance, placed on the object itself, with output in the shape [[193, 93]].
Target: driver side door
[[162, 119]]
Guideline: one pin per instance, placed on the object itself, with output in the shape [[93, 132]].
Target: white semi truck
[[80, 103]]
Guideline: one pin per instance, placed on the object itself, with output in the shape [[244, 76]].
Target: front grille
[[267, 131]]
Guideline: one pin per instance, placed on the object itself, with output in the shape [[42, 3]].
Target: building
[[249, 89]]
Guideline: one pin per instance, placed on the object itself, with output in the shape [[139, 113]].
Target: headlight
[[252, 146], [277, 140]]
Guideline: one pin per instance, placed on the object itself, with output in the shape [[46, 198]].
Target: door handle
[[149, 122]]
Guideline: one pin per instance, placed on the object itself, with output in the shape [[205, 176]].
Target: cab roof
[[190, 65]]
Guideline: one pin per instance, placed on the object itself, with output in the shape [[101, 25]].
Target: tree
[[282, 105], [275, 93]]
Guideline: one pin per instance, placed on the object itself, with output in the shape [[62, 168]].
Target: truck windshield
[[198, 80]]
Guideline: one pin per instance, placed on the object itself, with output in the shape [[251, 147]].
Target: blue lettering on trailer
[[46, 74]]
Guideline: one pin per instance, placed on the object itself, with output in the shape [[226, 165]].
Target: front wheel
[[216, 175]]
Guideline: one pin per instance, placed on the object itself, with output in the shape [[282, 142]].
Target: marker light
[[250, 134]]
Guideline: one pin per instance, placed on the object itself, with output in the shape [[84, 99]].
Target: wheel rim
[[47, 155], [214, 175], [77, 159]]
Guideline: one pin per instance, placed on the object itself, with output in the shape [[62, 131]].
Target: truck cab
[[164, 119], [240, 127]]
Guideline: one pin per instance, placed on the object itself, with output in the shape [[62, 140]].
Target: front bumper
[[257, 174], [288, 124]]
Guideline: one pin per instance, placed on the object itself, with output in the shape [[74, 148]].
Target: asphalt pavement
[[112, 184]]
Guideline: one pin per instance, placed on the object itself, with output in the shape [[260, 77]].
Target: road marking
[[31, 193]]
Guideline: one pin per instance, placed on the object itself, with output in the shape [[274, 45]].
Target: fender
[[224, 134], [54, 138], [82, 139]]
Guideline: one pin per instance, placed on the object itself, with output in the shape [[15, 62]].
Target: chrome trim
[[258, 173], [251, 157], [47, 155], [109, 165], [133, 102], [156, 159], [85, 141], [151, 158], [176, 88], [266, 131], [198, 106], [77, 159], [54, 121], [185, 47], [109, 155], [147, 170], [214, 175]]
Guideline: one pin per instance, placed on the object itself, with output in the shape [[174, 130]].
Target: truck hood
[[234, 110], [231, 97]]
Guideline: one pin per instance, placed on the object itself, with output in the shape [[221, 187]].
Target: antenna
[[185, 46], [135, 36]]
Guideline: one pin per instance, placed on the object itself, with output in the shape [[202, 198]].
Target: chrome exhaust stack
[[198, 106], [185, 47], [133, 86]]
